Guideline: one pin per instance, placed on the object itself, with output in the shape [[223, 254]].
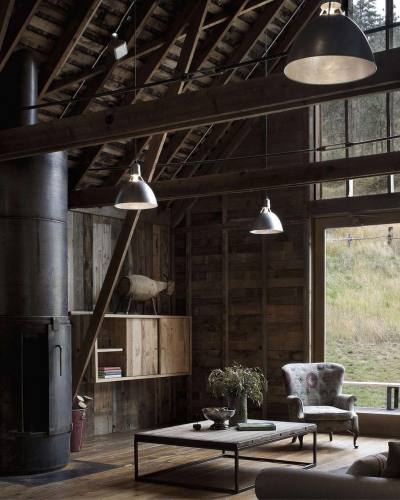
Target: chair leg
[[294, 438], [355, 437], [301, 442], [330, 436]]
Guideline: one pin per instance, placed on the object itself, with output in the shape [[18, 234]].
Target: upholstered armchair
[[315, 395]]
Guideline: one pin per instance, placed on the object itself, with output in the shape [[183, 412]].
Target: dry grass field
[[362, 306]]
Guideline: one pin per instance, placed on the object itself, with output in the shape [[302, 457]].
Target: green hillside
[[362, 307]]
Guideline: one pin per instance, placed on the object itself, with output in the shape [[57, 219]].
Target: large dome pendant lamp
[[135, 194], [330, 50], [267, 222]]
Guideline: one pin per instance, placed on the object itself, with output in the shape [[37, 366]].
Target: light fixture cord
[[266, 117], [135, 70]]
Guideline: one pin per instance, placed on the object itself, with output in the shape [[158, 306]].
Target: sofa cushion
[[392, 468], [371, 466], [326, 413]]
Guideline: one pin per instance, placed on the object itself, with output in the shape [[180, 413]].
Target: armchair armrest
[[345, 402], [296, 411]]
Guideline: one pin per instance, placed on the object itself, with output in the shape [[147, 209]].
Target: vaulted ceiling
[[166, 38]]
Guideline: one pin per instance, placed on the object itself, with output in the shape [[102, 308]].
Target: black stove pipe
[[35, 352]]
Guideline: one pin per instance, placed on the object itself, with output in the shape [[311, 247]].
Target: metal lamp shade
[[136, 196], [267, 223], [330, 50]]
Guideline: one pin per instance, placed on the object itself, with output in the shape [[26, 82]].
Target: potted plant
[[78, 421], [237, 384]]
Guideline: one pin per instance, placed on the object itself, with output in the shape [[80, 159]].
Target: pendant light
[[135, 194], [267, 222], [330, 50]]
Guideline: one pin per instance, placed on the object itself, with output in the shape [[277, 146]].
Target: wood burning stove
[[35, 352]]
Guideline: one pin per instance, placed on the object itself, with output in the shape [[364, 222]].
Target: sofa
[[299, 484], [363, 480]]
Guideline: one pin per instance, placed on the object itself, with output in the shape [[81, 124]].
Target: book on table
[[256, 426]]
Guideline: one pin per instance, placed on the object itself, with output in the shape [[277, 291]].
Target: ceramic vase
[[238, 403]]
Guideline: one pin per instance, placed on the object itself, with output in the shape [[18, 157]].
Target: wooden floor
[[108, 472]]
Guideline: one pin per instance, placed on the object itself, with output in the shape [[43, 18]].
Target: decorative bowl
[[219, 416]]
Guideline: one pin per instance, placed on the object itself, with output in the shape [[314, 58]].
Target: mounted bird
[[134, 288]]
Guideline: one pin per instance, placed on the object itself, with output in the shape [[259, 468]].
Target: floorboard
[[104, 469]]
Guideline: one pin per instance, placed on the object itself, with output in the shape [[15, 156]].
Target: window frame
[[317, 113]]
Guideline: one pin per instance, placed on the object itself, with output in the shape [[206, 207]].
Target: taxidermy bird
[[138, 288]]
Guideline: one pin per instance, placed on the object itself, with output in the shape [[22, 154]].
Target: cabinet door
[[142, 347], [175, 346]]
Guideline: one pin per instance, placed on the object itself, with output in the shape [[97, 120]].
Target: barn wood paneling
[[248, 293], [128, 405]]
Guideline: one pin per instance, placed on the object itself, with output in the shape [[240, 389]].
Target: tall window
[[362, 319], [365, 118]]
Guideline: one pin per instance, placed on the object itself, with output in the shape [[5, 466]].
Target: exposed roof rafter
[[17, 25], [77, 24], [235, 101]]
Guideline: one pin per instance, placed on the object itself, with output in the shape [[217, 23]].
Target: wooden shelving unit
[[143, 346]]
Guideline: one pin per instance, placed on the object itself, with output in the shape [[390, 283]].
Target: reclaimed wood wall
[[248, 294], [122, 406]]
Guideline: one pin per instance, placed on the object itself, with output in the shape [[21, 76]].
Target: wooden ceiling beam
[[68, 81], [211, 21], [238, 55], [184, 62], [197, 60], [95, 85], [6, 9], [17, 25], [254, 97], [216, 35], [259, 179], [228, 147], [293, 30], [185, 59], [282, 44], [80, 17], [146, 73], [152, 64]]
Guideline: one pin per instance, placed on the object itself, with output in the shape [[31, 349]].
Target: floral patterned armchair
[[315, 395]]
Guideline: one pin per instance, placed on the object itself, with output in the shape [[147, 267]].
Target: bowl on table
[[219, 415]]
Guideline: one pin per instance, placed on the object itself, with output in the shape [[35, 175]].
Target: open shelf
[[149, 346]]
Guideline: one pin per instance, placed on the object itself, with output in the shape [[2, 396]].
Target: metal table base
[[154, 477]]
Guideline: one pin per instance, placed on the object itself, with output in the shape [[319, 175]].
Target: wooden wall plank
[[133, 404], [249, 292]]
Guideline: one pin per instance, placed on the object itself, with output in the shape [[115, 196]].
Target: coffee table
[[230, 442]]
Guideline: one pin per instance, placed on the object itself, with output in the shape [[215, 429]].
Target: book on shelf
[[257, 426], [110, 372]]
